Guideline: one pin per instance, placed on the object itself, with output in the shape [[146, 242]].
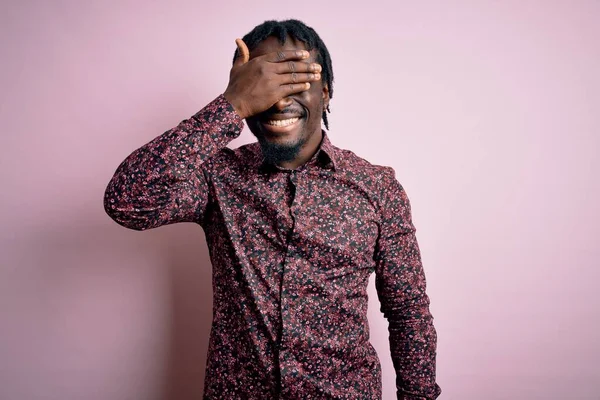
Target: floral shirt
[[292, 252]]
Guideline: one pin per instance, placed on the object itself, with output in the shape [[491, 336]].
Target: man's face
[[283, 143]]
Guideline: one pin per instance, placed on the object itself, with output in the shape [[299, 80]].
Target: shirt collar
[[325, 157]]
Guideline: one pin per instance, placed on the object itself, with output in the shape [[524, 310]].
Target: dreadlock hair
[[300, 31]]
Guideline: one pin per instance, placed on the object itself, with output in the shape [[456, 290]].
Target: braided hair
[[300, 31]]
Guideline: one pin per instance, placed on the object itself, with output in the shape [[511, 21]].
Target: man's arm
[[400, 283], [163, 182]]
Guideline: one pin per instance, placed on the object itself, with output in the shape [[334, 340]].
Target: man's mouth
[[276, 124], [281, 122]]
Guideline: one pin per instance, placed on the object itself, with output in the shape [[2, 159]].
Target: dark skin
[[278, 90]]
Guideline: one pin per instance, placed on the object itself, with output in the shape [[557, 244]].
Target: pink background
[[488, 110]]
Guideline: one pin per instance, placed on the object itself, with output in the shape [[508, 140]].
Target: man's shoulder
[[350, 161]]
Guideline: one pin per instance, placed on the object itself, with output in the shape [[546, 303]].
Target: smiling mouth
[[280, 125], [281, 122]]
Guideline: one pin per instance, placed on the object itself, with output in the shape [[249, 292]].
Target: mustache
[[287, 110]]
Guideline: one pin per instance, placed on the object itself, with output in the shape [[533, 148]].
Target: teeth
[[284, 122]]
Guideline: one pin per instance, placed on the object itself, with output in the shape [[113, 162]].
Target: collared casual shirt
[[292, 252]]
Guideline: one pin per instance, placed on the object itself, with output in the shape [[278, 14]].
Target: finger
[[298, 78], [293, 88], [243, 53], [287, 55], [296, 66]]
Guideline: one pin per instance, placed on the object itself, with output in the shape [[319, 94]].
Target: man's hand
[[255, 85]]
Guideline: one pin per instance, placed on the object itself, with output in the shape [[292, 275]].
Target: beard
[[275, 153]]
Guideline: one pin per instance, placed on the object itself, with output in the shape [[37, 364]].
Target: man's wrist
[[236, 106]]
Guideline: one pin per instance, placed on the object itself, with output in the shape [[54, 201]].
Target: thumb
[[243, 53]]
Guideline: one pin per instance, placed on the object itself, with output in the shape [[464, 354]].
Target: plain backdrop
[[489, 111]]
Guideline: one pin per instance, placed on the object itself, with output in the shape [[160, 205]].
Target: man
[[294, 226]]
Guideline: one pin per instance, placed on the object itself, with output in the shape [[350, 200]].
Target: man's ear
[[325, 96]]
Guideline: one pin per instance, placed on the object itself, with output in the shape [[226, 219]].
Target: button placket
[[287, 282], [295, 179]]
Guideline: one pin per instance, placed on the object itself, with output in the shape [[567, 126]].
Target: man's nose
[[283, 103]]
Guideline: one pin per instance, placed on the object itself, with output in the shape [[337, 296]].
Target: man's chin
[[278, 151]]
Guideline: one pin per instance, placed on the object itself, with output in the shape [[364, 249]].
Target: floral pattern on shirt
[[292, 252]]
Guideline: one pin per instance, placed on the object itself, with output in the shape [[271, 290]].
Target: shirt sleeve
[[164, 181], [400, 284]]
